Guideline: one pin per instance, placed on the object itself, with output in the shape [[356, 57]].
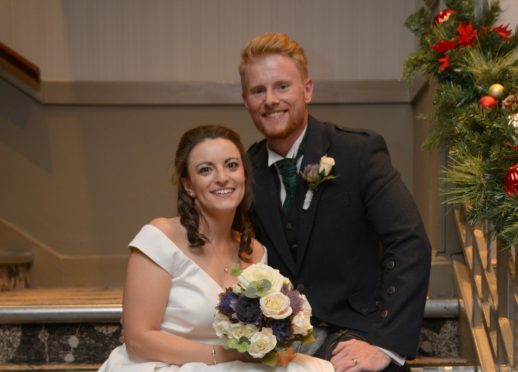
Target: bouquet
[[263, 315]]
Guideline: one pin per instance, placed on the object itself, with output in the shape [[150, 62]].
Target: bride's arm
[[146, 294]]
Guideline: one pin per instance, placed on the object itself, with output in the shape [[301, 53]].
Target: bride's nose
[[221, 177]]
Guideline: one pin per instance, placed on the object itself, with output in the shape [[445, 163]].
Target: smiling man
[[355, 244]]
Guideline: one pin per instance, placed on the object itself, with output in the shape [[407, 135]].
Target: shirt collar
[[274, 157]]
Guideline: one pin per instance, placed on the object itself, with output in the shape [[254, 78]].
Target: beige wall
[[200, 40], [79, 181], [88, 161]]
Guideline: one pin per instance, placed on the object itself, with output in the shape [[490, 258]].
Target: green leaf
[[258, 288], [270, 359], [235, 270]]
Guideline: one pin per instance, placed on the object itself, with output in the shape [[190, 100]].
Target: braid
[[190, 219]]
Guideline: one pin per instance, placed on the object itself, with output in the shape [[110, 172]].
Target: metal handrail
[[488, 288]]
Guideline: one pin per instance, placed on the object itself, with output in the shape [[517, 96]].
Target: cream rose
[[259, 272], [242, 330], [221, 325], [276, 305], [261, 343], [326, 164], [302, 321]]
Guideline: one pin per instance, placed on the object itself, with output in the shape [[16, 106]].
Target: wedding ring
[[355, 362]]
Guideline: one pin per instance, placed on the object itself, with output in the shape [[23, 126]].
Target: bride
[[178, 266]]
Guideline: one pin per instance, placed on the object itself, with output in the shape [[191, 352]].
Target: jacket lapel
[[265, 192], [317, 145]]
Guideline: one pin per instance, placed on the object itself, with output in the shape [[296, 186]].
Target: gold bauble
[[496, 90]]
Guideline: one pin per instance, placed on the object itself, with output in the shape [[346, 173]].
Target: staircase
[[74, 329]]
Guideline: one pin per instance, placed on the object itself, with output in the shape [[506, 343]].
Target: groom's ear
[[243, 97]]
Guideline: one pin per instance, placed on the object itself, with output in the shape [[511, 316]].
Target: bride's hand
[[225, 355]]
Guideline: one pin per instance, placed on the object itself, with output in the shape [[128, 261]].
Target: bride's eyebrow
[[203, 164], [232, 158]]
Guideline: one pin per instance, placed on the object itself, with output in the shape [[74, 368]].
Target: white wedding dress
[[189, 313]]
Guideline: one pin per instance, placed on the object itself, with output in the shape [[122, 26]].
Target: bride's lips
[[225, 192]]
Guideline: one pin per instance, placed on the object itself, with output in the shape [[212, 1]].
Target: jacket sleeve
[[406, 252]]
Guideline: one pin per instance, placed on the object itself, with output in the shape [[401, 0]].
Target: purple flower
[[248, 310], [310, 172], [296, 301], [281, 329], [227, 302]]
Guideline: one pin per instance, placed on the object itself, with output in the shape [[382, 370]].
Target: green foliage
[[235, 270], [465, 55], [240, 345], [258, 288]]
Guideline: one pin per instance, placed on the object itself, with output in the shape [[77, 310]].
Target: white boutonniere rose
[[315, 174], [326, 165]]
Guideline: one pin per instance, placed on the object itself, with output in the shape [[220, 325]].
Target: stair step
[[81, 326], [432, 367], [49, 367], [63, 305], [48, 305]]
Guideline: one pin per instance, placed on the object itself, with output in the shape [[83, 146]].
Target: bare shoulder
[[258, 251], [170, 227]]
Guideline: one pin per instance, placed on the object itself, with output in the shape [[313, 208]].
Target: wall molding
[[208, 93]]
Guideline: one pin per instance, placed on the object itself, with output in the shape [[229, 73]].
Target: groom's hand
[[355, 355]]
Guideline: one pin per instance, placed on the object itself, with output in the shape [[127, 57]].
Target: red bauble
[[511, 180], [487, 102]]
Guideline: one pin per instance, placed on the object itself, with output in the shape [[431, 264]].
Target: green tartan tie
[[288, 169]]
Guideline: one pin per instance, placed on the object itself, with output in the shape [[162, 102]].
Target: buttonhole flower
[[315, 174]]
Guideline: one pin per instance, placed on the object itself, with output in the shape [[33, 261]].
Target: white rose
[[301, 324], [302, 321], [221, 325], [261, 343], [260, 271], [276, 305], [326, 164], [242, 330]]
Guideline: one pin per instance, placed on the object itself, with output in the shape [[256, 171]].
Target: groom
[[356, 245]]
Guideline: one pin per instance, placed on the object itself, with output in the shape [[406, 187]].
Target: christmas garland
[[474, 62]]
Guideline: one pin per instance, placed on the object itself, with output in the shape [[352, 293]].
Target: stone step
[[80, 326], [417, 365]]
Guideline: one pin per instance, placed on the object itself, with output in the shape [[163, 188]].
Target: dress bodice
[[193, 295]]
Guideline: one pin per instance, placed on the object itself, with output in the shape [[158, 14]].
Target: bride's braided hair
[[189, 214]]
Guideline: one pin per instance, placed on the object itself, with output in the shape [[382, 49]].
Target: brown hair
[[273, 43], [189, 214]]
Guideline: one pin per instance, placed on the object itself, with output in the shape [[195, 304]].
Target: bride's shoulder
[[171, 227], [258, 251]]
